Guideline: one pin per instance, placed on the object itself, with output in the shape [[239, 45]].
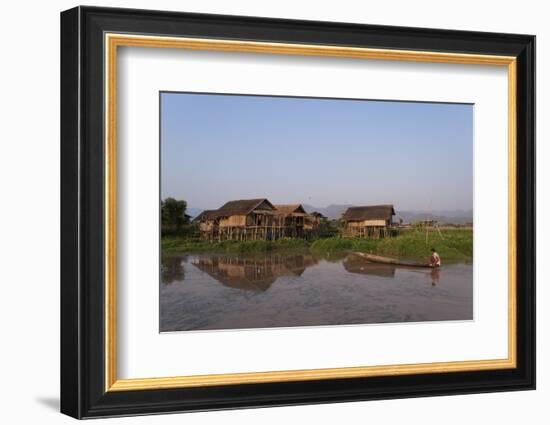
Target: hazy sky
[[215, 148]]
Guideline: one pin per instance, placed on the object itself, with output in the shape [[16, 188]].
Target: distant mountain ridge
[[443, 216], [335, 211], [332, 211]]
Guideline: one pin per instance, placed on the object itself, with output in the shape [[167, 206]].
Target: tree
[[173, 214]]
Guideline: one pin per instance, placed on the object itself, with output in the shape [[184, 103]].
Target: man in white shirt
[[435, 261]]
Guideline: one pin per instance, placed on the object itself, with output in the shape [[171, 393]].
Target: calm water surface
[[208, 291]]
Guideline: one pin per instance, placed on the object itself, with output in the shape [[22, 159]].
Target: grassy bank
[[179, 245], [452, 244]]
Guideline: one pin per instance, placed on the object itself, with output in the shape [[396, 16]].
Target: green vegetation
[[174, 220], [451, 245], [180, 236], [175, 244]]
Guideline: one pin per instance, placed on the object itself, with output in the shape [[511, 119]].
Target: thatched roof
[[206, 215], [370, 212], [288, 209], [244, 207]]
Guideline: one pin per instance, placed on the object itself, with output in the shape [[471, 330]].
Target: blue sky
[[417, 156]]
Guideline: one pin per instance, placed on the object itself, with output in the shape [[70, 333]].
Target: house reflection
[[253, 274], [356, 264]]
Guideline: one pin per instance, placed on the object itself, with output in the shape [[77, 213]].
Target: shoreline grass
[[180, 245], [451, 245]]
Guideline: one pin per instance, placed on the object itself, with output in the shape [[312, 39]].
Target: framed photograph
[[261, 212]]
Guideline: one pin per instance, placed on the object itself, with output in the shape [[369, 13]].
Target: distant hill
[[332, 211], [443, 216]]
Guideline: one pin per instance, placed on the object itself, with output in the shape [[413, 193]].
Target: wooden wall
[[233, 221], [367, 223]]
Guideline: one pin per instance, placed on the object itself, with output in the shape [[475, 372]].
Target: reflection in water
[[171, 269], [255, 274], [356, 264], [435, 275], [210, 291]]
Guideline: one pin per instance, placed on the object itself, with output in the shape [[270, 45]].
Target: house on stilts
[[291, 220], [371, 221], [247, 219], [241, 220], [259, 219], [312, 223], [252, 219], [208, 224]]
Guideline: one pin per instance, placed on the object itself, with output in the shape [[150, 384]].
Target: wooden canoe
[[390, 261]]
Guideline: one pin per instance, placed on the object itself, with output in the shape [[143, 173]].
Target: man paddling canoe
[[435, 261]]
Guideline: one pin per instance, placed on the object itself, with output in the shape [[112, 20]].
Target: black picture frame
[[83, 392]]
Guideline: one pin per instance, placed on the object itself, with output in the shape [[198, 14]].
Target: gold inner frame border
[[112, 41]]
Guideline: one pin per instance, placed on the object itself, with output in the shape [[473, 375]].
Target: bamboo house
[[313, 222], [207, 223], [291, 220], [259, 219], [372, 221], [247, 219], [252, 219]]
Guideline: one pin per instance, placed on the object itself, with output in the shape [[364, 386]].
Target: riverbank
[[181, 245], [455, 244], [451, 244]]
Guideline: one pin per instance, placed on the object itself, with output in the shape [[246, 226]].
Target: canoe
[[391, 261]]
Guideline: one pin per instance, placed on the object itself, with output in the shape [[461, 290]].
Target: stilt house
[[291, 220], [372, 221], [208, 224], [313, 221], [246, 219]]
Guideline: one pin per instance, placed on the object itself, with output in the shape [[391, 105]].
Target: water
[[209, 291]]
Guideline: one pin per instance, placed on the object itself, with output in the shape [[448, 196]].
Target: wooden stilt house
[[372, 221], [312, 222], [291, 220], [208, 224], [247, 219]]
